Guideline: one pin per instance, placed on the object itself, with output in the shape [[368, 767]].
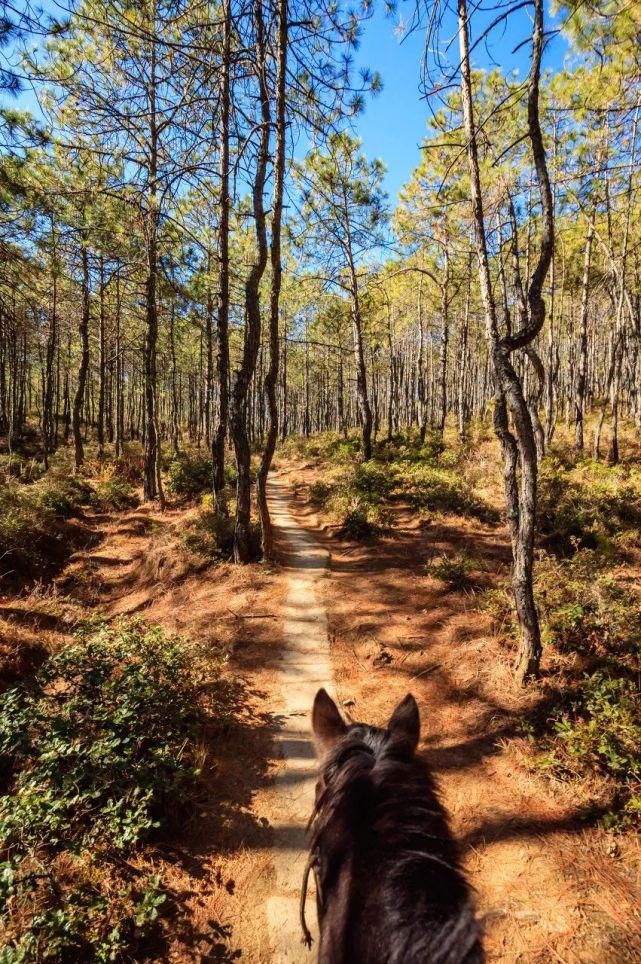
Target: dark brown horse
[[389, 883]]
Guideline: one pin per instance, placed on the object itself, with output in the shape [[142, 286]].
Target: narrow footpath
[[304, 665]]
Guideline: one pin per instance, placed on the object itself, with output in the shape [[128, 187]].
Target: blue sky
[[394, 122]]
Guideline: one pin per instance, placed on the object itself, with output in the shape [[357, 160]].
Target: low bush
[[587, 504], [454, 570], [320, 491], [408, 447], [33, 536], [23, 470], [114, 493], [360, 522], [325, 446], [209, 535], [371, 482], [599, 732], [442, 490], [591, 732], [99, 754], [189, 475]]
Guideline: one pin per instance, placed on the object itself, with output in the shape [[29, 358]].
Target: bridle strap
[[310, 866]]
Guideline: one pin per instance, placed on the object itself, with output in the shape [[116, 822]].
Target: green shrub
[[100, 755], [592, 626], [408, 447], [370, 482], [114, 493], [98, 740], [24, 470], [584, 609], [33, 537], [60, 497], [326, 446], [189, 476], [586, 504], [320, 492], [442, 490], [600, 732], [209, 535], [358, 519], [454, 570], [357, 525]]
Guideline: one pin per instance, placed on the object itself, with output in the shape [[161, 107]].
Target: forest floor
[[549, 886]]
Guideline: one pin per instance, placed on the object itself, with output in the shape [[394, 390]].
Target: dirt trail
[[304, 666]]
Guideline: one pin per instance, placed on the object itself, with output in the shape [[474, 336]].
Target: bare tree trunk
[[582, 361], [222, 316], [518, 448], [462, 402], [152, 487], [48, 412], [83, 330], [238, 408], [271, 379], [101, 362], [445, 335]]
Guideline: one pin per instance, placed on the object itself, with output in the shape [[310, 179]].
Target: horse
[[389, 884]]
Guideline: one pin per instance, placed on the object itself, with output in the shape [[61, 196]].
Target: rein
[[312, 865]]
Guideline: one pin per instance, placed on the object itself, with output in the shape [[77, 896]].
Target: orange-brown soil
[[550, 887]]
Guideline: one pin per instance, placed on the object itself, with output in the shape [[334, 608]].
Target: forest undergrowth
[[587, 732]]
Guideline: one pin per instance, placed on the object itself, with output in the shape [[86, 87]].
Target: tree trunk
[[222, 316], [83, 330], [521, 447], [582, 361], [271, 379], [152, 487], [240, 390]]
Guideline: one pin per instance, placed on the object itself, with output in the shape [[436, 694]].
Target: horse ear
[[327, 723], [405, 723]]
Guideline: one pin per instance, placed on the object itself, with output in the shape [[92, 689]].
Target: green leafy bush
[[592, 626], [358, 519], [320, 491], [114, 493], [371, 482], [600, 732], [454, 570], [59, 497], [33, 538], [357, 524], [584, 609], [442, 490], [98, 754], [24, 470], [325, 446], [189, 475], [586, 504], [209, 535]]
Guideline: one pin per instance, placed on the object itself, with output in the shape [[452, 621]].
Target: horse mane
[[379, 803]]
